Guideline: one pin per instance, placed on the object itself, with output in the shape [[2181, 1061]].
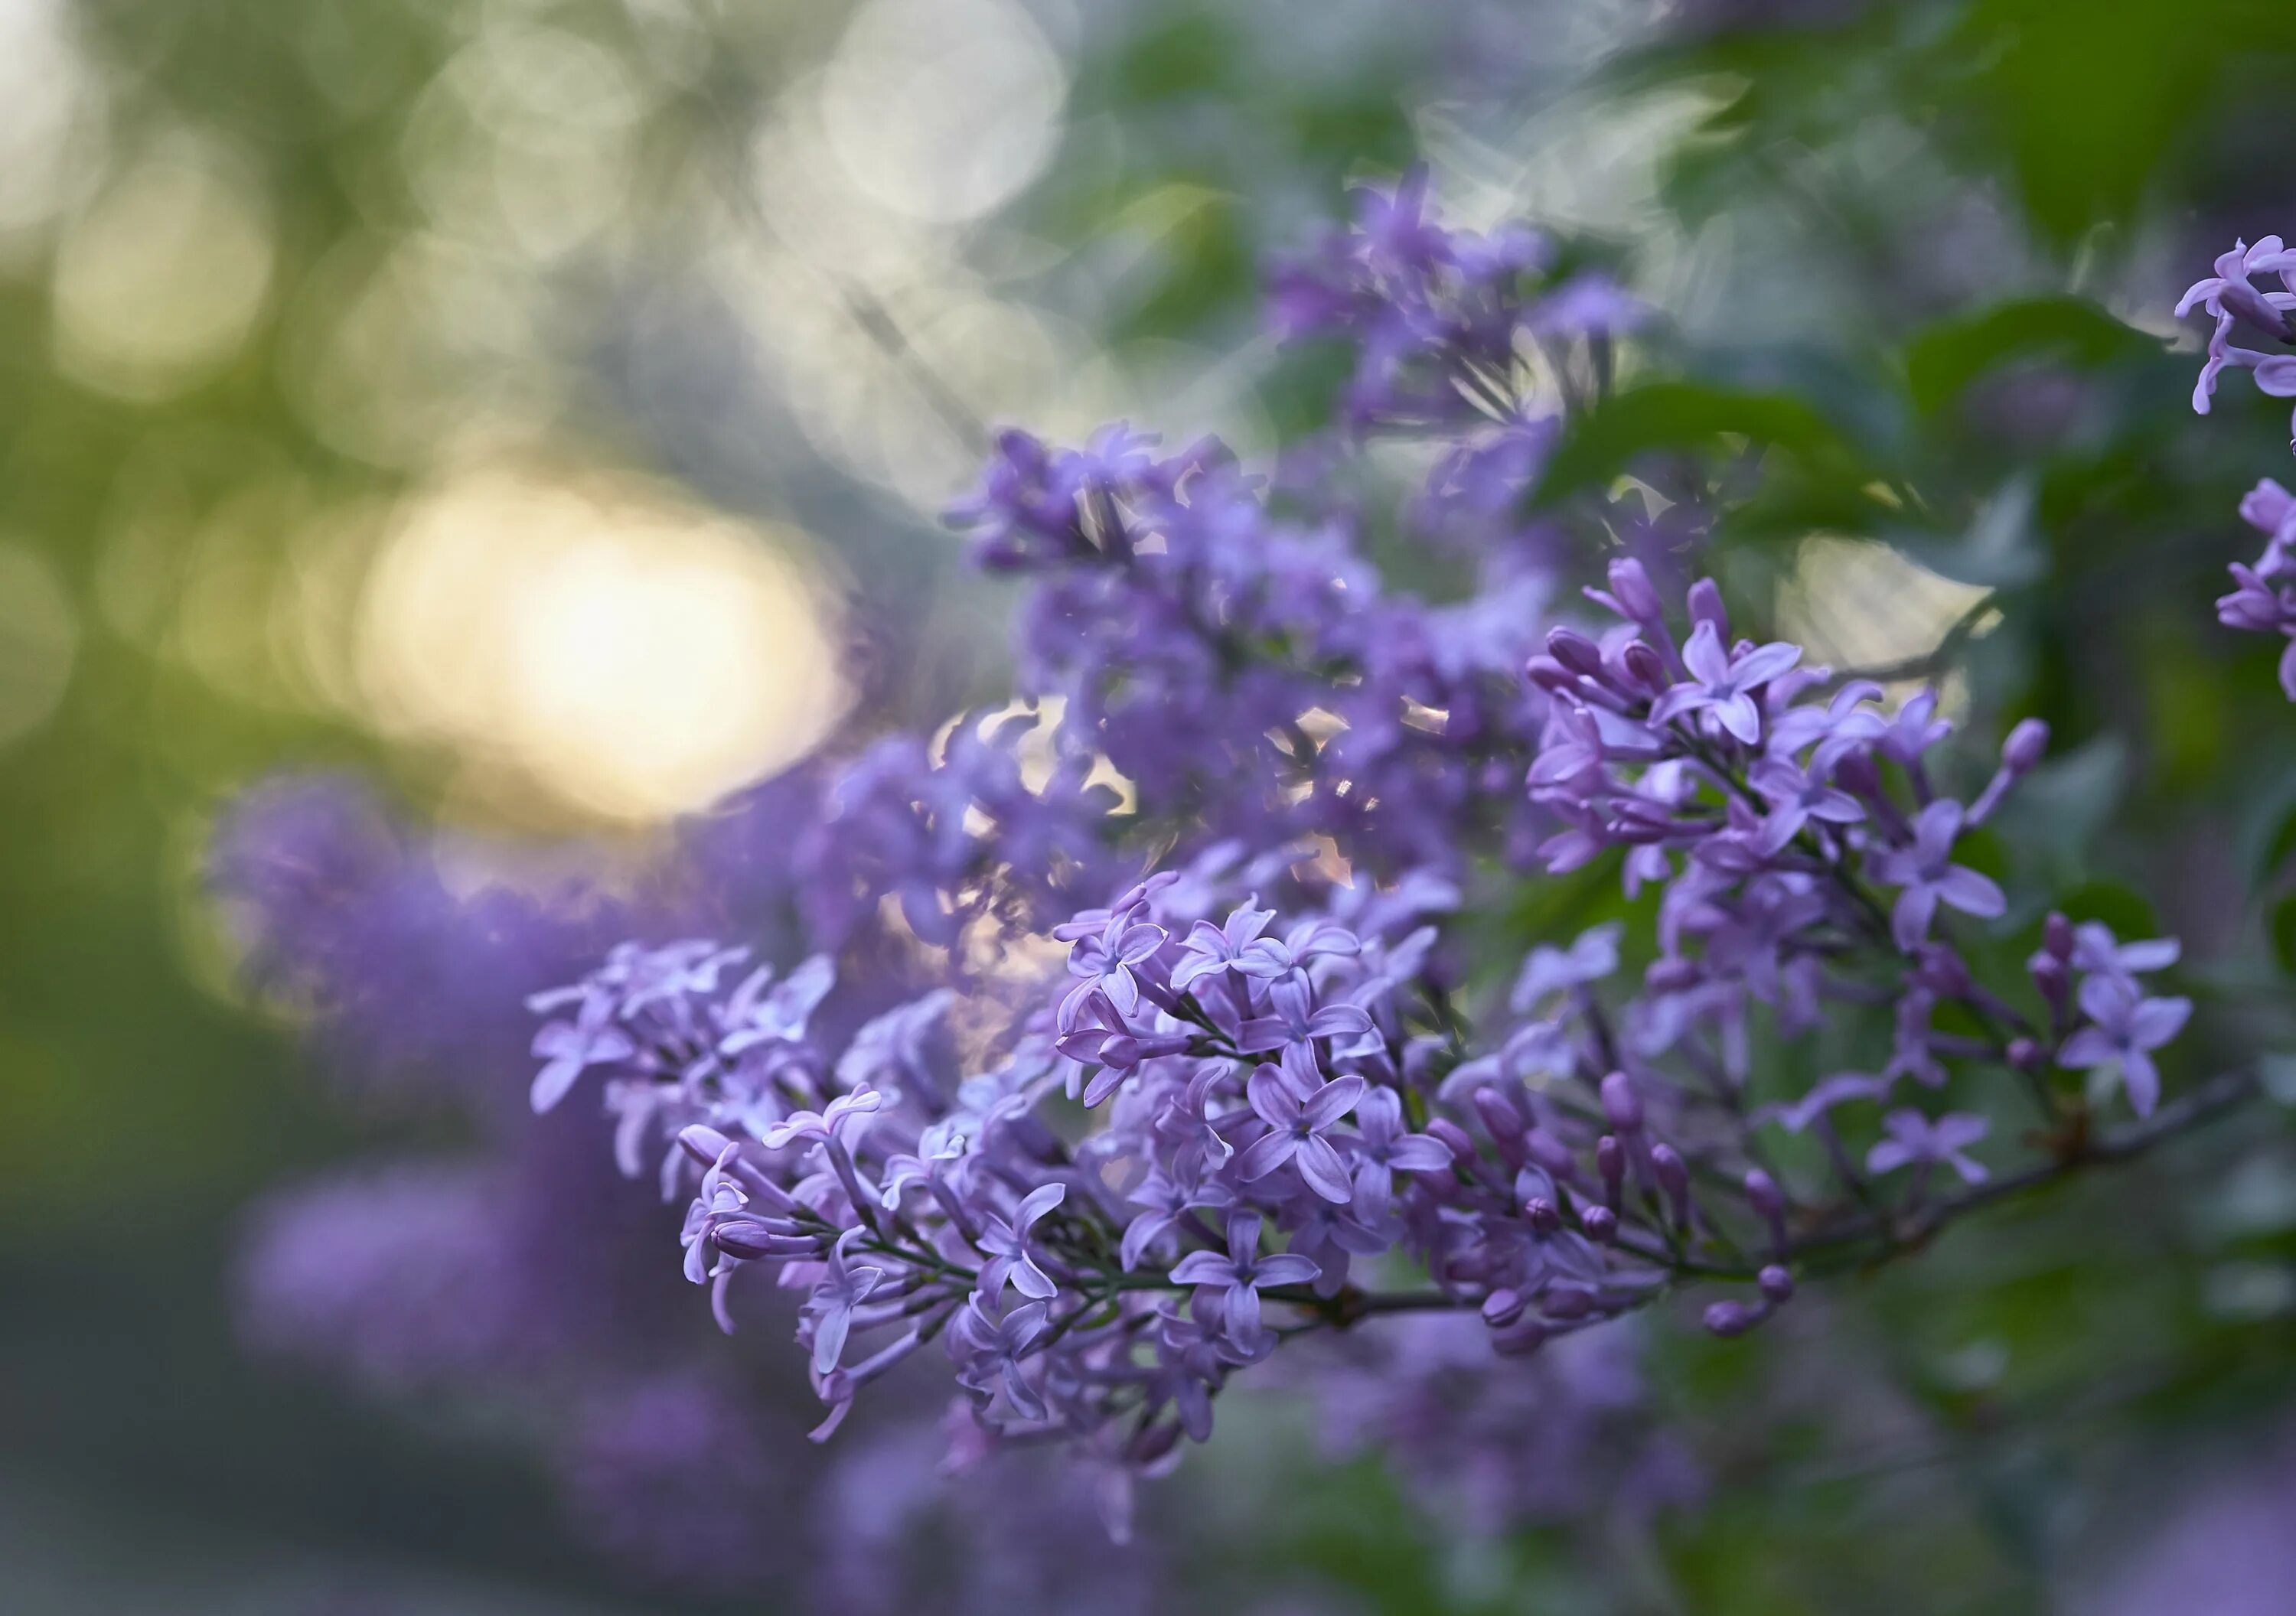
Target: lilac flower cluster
[[2264, 599], [1305, 1072]]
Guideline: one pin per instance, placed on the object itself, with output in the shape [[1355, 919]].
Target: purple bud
[[2057, 936], [2025, 1055], [1769, 1204], [1153, 1443], [704, 1144], [1576, 652], [2051, 977], [1631, 588], [1521, 1339], [1776, 1284], [1621, 1103], [1540, 1214], [2025, 745], [1457, 1140], [1503, 1122], [1856, 772], [1504, 1307], [1611, 1161], [1600, 1222], [1940, 969], [1731, 1318], [1674, 1178], [1551, 676], [1567, 1301], [1706, 607], [1676, 975], [1644, 667]]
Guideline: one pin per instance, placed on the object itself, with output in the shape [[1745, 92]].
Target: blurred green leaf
[[1942, 360]]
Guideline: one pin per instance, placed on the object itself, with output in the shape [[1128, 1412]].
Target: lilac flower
[[2124, 1027], [1928, 877], [1592, 958], [1235, 945], [1382, 1148], [1296, 1132], [995, 1348], [1914, 1137], [1796, 797], [570, 1047], [1724, 682], [1297, 1020], [843, 1287], [1007, 1247], [1236, 1277], [1104, 963]]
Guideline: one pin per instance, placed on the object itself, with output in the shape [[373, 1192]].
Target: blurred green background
[[546, 405]]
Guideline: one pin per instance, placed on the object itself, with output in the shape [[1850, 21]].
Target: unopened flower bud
[[1576, 652], [704, 1144], [1631, 588], [2057, 936], [1776, 1284], [1621, 1103], [2025, 745], [1731, 1318], [1503, 1306], [1550, 675], [1611, 1161], [1503, 1122], [1706, 607], [1642, 665], [1567, 1301], [1600, 1222], [1457, 1140], [1542, 1217], [1673, 1176], [2026, 1055]]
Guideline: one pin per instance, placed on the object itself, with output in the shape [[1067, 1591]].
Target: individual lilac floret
[[2125, 1028], [1298, 1132], [1234, 1279], [1928, 877], [2265, 600], [1914, 1138], [2229, 296], [1725, 684]]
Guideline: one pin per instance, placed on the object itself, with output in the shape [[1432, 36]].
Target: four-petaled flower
[[1296, 1131], [1236, 946], [841, 1288], [1723, 682], [1103, 963], [571, 1046], [1927, 874], [2125, 1027], [1007, 1247], [1383, 1149], [1914, 1137], [1239, 1274]]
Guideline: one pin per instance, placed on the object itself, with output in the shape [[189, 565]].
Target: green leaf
[[1605, 440], [2284, 934], [1949, 355]]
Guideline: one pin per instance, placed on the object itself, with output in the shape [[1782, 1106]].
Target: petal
[[1271, 1097], [1741, 717], [1039, 1201], [2089, 1047], [1335, 1101], [1286, 1268], [1705, 657], [2141, 1080], [2156, 1021], [1765, 662], [829, 1333], [1204, 1268], [1242, 1313], [1910, 919], [1265, 1154], [1971, 893], [1418, 1153], [1320, 1165]]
